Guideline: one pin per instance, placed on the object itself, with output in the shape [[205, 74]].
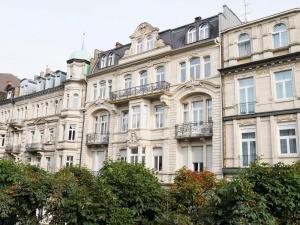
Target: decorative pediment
[[40, 121], [144, 29], [102, 104]]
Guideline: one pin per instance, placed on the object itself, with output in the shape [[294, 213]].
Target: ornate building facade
[[261, 91], [42, 125], [157, 100]]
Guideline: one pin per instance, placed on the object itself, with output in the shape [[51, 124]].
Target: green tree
[[136, 189]]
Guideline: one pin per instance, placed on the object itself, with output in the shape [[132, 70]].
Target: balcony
[[97, 139], [247, 108], [16, 149], [16, 123], [193, 130], [148, 90], [34, 147]]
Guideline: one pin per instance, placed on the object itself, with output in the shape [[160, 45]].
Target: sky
[[35, 34]]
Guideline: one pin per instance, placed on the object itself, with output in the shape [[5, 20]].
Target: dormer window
[[139, 46], [203, 31], [280, 35], [150, 42], [111, 59], [191, 35], [244, 45], [103, 61]]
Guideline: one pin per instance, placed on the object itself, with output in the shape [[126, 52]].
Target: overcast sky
[[37, 33]]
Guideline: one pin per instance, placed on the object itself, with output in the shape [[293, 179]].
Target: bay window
[[124, 121]]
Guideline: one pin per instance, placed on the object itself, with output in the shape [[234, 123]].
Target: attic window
[[111, 59], [103, 61], [191, 35], [203, 31], [139, 46], [150, 42]]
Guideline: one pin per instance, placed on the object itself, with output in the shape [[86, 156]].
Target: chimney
[[42, 73], [118, 45], [48, 70], [198, 18]]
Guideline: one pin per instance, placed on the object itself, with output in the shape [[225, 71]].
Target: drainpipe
[[82, 131]]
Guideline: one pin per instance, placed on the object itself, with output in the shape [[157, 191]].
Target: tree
[[79, 198], [138, 191]]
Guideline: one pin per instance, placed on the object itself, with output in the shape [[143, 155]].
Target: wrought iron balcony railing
[[9, 148], [97, 139], [247, 108], [33, 147], [192, 130], [143, 90]]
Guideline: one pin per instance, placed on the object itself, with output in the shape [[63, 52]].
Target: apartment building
[[261, 91], [42, 124], [157, 100]]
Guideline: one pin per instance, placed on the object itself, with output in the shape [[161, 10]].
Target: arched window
[[101, 123], [191, 35], [103, 61], [203, 31], [102, 89], [143, 78], [150, 42], [195, 68], [139, 46], [160, 74], [280, 35], [75, 101], [111, 59], [244, 45]]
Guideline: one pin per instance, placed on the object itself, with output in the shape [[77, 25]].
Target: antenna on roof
[[246, 10], [82, 46]]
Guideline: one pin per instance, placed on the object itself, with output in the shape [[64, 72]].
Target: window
[[248, 147], [123, 155], [191, 35], [209, 110], [246, 95], [182, 67], [160, 74], [103, 61], [75, 102], [41, 136], [136, 111], [134, 155], [32, 136], [284, 84], [159, 116], [128, 81], [186, 113], [157, 152], [204, 31], [143, 156], [102, 89], [48, 163], [38, 162], [143, 78], [288, 143], [51, 135], [56, 107], [197, 157], [125, 121], [69, 161], [150, 42], [103, 124], [244, 45], [207, 66], [139, 46], [280, 35], [2, 140], [197, 111], [95, 92], [111, 59], [72, 132], [195, 68]]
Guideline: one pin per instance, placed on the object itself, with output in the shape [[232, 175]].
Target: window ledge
[[243, 57], [280, 49], [284, 100], [294, 155]]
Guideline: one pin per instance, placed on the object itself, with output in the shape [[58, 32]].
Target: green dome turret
[[80, 55]]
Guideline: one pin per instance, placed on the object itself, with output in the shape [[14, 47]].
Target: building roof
[[81, 55], [8, 78]]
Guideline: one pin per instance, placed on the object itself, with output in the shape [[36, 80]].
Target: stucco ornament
[[133, 140]]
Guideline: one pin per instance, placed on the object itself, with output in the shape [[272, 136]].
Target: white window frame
[[194, 161], [124, 122], [72, 132], [136, 116], [134, 157], [69, 161], [191, 35], [286, 126], [182, 72], [102, 89], [247, 103], [193, 67], [103, 61], [207, 66], [203, 31], [244, 44], [143, 78], [199, 111], [243, 130], [123, 154], [111, 59], [128, 81], [158, 159], [159, 116], [139, 45], [284, 92], [150, 42], [280, 34]]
